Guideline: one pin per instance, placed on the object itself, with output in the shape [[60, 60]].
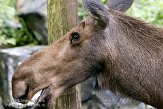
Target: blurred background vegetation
[[14, 32]]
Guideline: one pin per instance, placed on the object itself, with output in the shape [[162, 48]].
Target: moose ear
[[120, 5], [96, 10]]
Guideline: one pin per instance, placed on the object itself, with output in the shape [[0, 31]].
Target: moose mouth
[[37, 98], [45, 95]]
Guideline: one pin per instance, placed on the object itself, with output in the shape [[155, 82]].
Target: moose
[[124, 53]]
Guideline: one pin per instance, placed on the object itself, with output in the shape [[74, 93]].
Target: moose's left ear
[[96, 10], [120, 5]]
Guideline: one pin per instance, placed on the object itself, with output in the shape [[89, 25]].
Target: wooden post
[[62, 16]]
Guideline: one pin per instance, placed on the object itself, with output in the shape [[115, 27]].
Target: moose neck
[[134, 66]]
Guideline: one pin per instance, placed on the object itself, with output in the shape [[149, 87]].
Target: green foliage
[[81, 11], [13, 31], [148, 10], [6, 16], [4, 40]]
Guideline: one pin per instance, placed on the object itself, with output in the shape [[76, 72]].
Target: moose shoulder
[[125, 55]]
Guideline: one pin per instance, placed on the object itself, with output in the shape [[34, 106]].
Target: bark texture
[[62, 16]]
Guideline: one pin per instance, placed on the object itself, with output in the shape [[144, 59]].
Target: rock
[[34, 14], [31, 6]]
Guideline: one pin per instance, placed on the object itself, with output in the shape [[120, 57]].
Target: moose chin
[[125, 55]]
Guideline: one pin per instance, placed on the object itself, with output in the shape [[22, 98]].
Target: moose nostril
[[24, 95], [19, 89], [21, 96]]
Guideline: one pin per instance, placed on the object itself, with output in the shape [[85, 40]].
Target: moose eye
[[75, 38]]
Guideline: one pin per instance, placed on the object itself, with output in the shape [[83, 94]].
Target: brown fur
[[126, 56], [136, 61]]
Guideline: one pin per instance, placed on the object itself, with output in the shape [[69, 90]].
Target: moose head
[[125, 55]]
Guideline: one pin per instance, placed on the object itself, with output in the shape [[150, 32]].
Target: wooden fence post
[[62, 16]]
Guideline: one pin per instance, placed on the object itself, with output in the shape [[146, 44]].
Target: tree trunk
[[62, 16]]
